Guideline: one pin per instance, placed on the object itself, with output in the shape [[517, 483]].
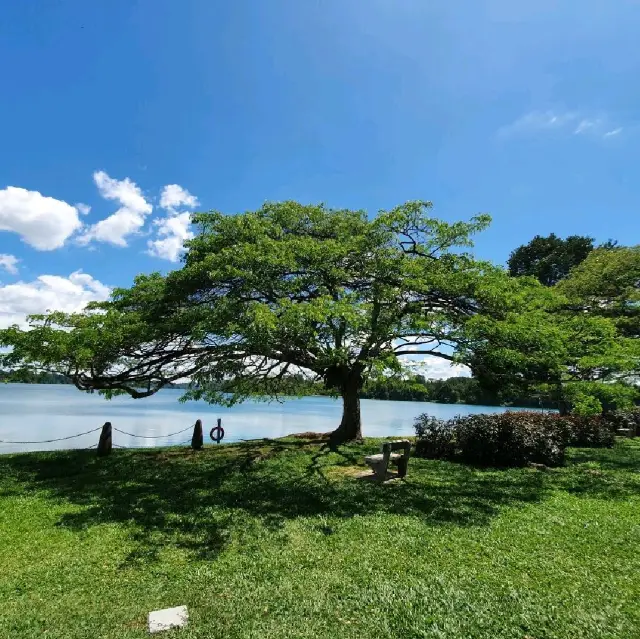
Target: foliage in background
[[549, 347], [499, 440], [28, 376], [586, 430], [549, 259], [625, 420], [513, 438], [607, 284]]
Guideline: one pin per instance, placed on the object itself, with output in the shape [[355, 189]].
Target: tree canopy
[[272, 301], [580, 345], [549, 259], [283, 290], [607, 284]]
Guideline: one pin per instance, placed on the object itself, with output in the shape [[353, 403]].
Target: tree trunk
[[350, 427]]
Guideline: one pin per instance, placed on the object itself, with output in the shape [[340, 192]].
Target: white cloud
[[610, 134], [9, 263], [173, 196], [84, 209], [175, 228], [172, 232], [43, 222], [48, 292], [127, 220], [436, 368], [539, 122], [586, 125]]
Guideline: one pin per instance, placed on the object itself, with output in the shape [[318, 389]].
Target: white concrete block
[[160, 620]]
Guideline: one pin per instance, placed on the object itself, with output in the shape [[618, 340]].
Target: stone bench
[[380, 463]]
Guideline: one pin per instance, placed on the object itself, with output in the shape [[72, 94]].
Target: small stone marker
[[160, 620], [105, 442], [197, 441]]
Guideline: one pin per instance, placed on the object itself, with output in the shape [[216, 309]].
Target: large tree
[[549, 259], [574, 341], [607, 284], [281, 291]]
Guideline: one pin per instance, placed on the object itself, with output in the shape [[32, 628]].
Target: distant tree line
[[27, 376], [455, 390], [30, 376]]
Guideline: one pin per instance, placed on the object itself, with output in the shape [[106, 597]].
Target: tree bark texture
[[351, 425]]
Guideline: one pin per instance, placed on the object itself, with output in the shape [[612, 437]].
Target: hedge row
[[514, 438]]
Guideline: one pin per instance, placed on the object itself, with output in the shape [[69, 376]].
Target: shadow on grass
[[197, 500]]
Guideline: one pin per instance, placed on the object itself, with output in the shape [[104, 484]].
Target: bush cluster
[[589, 431], [435, 437], [514, 438], [624, 419]]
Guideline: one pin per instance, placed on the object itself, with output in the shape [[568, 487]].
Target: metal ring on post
[[219, 434]]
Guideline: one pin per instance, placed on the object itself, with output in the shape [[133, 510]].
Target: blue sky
[[527, 110]]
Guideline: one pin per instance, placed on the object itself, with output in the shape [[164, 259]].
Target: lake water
[[35, 412]]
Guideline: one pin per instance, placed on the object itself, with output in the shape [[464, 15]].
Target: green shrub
[[587, 405], [435, 438], [624, 419], [588, 431], [513, 438], [516, 438]]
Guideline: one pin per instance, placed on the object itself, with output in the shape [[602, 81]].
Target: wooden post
[[197, 441], [105, 444]]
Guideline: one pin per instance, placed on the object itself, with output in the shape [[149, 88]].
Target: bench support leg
[[379, 471]]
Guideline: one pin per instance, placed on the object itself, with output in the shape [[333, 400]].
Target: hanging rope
[[50, 441], [95, 430], [124, 432]]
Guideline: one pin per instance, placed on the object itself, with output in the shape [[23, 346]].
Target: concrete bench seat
[[380, 463], [375, 459]]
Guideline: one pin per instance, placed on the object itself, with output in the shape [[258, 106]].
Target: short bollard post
[[105, 444], [197, 441]]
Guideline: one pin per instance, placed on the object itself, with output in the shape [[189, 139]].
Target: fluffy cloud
[[171, 232], [127, 220], [175, 228], [43, 222], [436, 368], [9, 263], [173, 196], [48, 292]]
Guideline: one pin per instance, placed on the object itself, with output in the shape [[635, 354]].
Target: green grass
[[280, 539]]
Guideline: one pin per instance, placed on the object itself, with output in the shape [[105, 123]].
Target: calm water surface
[[31, 412]]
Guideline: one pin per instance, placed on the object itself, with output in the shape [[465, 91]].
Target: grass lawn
[[280, 539]]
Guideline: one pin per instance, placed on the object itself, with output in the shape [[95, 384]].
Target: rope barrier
[[95, 430], [50, 441], [123, 432]]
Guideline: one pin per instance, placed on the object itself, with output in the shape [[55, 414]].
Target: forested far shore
[[24, 376], [417, 388]]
